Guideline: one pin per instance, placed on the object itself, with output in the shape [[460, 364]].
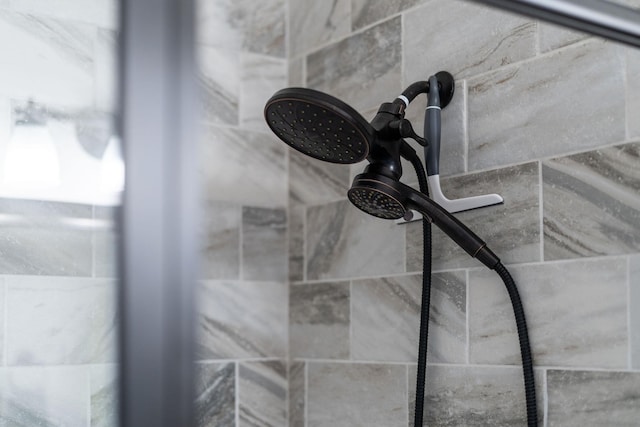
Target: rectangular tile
[[319, 320], [633, 92], [105, 242], [576, 314], [221, 239], [366, 12], [593, 398], [463, 395], [297, 392], [219, 83], [511, 230], [592, 203], [2, 322], [386, 318], [243, 167], [296, 77], [634, 310], [296, 243], [314, 23], [59, 321], [241, 320], [260, 78], [344, 242], [344, 395], [264, 244], [42, 238], [64, 49], [554, 37], [103, 13], [363, 70], [243, 25], [489, 39], [565, 118], [106, 70], [215, 394], [44, 396], [263, 394], [313, 182], [103, 381]]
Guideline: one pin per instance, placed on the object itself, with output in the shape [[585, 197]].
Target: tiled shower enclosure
[[308, 309]]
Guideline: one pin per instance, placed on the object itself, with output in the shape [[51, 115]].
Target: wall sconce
[[31, 160]]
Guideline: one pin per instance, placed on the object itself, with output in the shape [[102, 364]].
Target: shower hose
[[521, 324]]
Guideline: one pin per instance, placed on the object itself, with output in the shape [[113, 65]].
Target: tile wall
[[57, 289], [242, 298], [546, 117]]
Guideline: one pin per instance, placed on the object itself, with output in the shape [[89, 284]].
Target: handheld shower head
[[376, 198], [319, 125]]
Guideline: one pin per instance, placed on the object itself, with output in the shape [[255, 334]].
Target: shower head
[[371, 195], [319, 125]]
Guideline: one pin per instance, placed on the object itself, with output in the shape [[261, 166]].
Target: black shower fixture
[[323, 127]]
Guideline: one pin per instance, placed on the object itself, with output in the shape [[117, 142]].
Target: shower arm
[[438, 99]]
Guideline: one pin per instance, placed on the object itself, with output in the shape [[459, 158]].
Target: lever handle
[[432, 126]]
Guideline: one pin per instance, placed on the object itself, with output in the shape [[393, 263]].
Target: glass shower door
[[61, 179]]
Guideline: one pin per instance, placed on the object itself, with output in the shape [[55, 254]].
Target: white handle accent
[[459, 205]]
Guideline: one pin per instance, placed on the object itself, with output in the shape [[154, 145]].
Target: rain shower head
[[319, 125]]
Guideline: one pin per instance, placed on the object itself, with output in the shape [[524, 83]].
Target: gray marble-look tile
[[363, 70], [633, 92], [634, 310], [313, 182], [106, 70], [260, 78], [44, 396], [241, 320], [489, 39], [243, 167], [474, 396], [576, 314], [263, 394], [245, 25], [102, 13], [386, 318], [511, 230], [2, 321], [296, 77], [105, 243], [356, 395], [42, 238], [264, 244], [314, 23], [454, 131], [296, 243], [104, 395], [505, 126], [554, 37], [55, 321], [65, 50], [297, 391], [342, 242], [319, 320], [592, 203], [219, 83], [215, 393], [365, 12], [584, 398], [221, 239]]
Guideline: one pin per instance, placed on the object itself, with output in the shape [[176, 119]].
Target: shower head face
[[376, 198], [319, 125]]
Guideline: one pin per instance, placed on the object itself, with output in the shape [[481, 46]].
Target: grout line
[[237, 396], [545, 397], [541, 210], [467, 305], [629, 332]]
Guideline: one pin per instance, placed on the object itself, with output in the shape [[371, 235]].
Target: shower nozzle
[[319, 125]]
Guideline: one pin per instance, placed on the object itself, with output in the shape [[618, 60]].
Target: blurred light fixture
[[31, 160]]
